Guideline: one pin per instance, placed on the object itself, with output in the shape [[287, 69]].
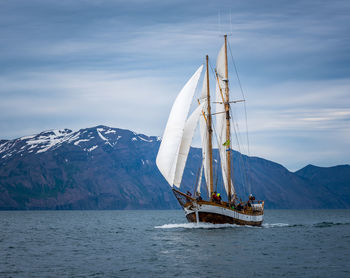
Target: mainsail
[[221, 116], [169, 150]]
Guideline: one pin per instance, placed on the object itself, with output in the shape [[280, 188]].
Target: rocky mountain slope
[[111, 168]]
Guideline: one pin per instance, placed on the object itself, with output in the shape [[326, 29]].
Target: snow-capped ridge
[[49, 139], [88, 139]]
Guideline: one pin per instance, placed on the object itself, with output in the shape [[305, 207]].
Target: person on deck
[[199, 197], [251, 197], [216, 197]]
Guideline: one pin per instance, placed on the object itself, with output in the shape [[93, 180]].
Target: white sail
[[203, 126], [220, 63], [205, 147], [204, 87], [221, 133], [188, 133], [221, 116], [200, 179], [169, 148]]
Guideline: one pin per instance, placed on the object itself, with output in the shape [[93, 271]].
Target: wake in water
[[275, 225], [264, 225], [196, 226], [216, 226]]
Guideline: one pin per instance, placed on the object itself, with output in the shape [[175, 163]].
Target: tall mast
[[210, 134], [228, 128]]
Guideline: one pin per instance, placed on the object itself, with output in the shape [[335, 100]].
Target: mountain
[[111, 168], [93, 168], [334, 181]]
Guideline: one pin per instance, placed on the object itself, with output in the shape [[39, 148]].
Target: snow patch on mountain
[[6, 155], [146, 140], [76, 143], [75, 136], [3, 147], [99, 132], [92, 148], [27, 137], [110, 131]]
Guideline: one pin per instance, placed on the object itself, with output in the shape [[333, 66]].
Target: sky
[[77, 64]]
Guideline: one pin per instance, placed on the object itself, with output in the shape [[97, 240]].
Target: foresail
[[173, 135], [188, 133]]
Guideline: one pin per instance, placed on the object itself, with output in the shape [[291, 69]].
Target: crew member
[[199, 197]]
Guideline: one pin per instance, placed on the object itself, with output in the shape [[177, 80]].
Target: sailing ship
[[176, 143]]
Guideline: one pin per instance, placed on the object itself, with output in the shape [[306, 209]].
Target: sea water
[[291, 243]]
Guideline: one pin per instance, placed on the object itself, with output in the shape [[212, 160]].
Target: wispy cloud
[[80, 63]]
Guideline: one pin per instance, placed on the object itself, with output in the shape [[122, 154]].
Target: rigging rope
[[241, 160], [243, 96], [245, 115]]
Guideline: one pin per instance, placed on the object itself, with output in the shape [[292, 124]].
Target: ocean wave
[[329, 224]]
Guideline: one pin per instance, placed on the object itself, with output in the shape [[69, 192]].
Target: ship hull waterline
[[210, 212]]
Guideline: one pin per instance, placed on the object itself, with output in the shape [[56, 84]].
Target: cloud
[[79, 63], [302, 105], [98, 97], [296, 123]]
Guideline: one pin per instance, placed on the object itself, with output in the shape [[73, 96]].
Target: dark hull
[[215, 218], [218, 213]]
